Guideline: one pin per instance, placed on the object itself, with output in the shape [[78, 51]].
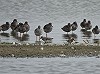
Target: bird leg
[[39, 38], [46, 34], [72, 32], [94, 36], [20, 34], [36, 38]]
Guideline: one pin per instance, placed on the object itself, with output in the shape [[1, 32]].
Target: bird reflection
[[96, 41], [83, 30], [67, 36], [25, 37], [46, 39], [5, 34], [86, 34], [70, 38]]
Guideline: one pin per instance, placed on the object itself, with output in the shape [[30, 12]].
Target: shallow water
[[82, 65], [41, 12]]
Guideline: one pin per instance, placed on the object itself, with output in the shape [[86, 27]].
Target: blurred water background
[[58, 12]]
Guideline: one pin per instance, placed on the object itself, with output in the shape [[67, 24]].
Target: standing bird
[[14, 24], [20, 28], [74, 26], [5, 27], [26, 25], [38, 32], [83, 23], [88, 25], [0, 28], [67, 28], [95, 30], [47, 28]]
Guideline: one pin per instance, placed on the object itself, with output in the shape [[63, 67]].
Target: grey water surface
[[41, 12], [82, 65]]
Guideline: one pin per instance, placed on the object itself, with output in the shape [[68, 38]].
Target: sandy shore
[[9, 50]]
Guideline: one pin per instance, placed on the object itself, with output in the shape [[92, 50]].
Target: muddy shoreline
[[9, 50]]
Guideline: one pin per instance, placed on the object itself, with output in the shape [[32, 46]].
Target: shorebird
[[38, 32], [20, 28], [67, 28], [83, 23], [47, 28], [88, 25], [74, 26], [14, 24], [26, 25], [5, 27], [95, 30]]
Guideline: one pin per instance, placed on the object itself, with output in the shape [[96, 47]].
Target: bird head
[[20, 24], [15, 20], [84, 20], [69, 24], [89, 22], [39, 27], [75, 22], [50, 24], [96, 27], [26, 22], [7, 23]]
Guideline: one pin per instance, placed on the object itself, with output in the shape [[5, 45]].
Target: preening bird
[[74, 26], [48, 28], [14, 24], [5, 27], [67, 28], [26, 25]]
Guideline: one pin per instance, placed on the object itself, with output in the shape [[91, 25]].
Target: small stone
[[12, 55], [41, 43], [62, 55], [27, 43], [72, 47], [41, 48], [14, 43], [19, 43], [95, 51], [62, 52]]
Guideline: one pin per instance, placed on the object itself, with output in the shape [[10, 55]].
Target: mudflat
[[10, 50]]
